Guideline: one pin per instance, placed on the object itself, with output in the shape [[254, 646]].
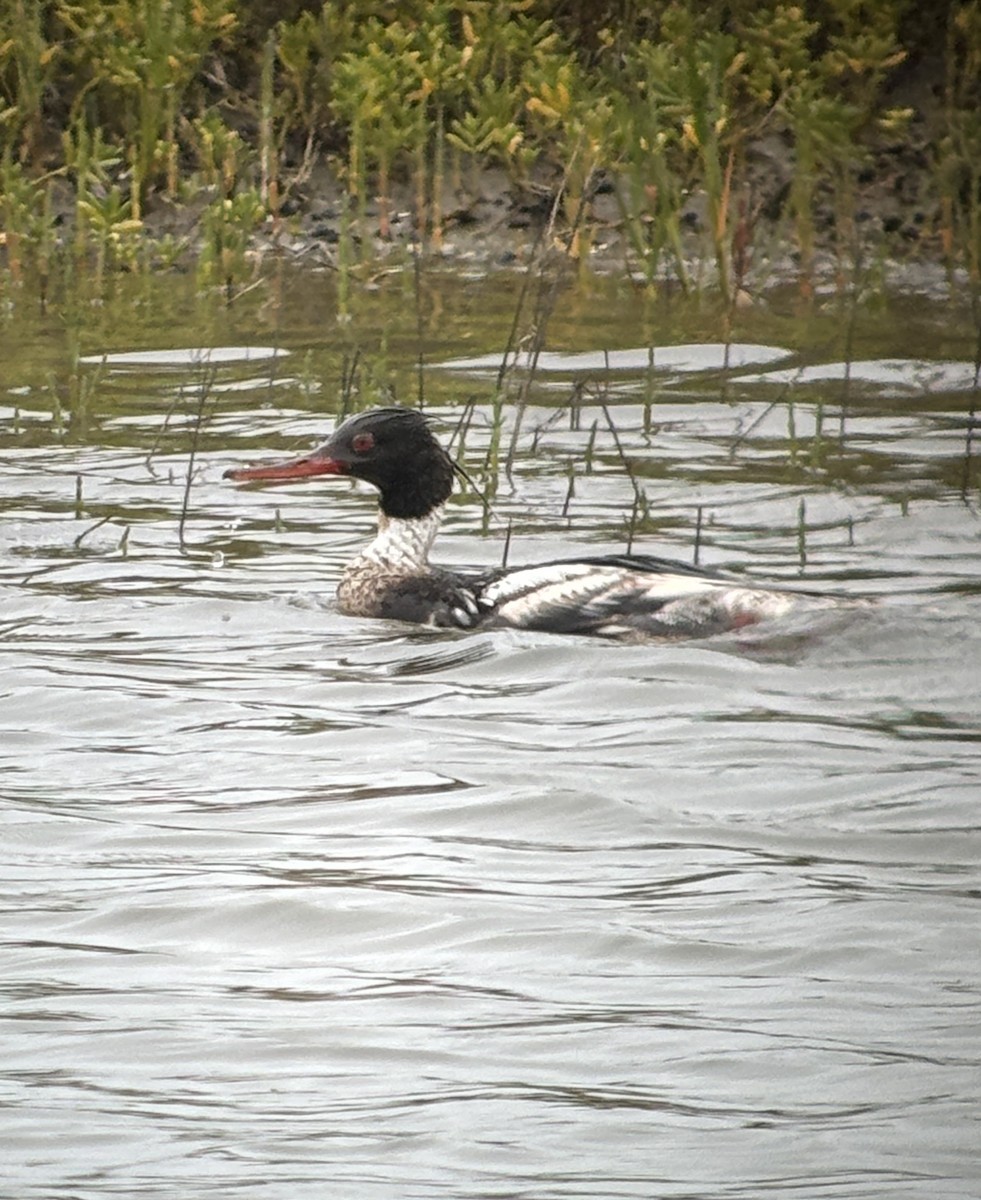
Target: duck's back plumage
[[627, 596]]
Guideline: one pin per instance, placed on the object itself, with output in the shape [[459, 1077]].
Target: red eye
[[361, 443]]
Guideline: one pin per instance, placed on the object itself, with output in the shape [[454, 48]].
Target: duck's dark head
[[391, 448]]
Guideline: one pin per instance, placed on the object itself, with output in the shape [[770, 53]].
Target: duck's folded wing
[[622, 597]]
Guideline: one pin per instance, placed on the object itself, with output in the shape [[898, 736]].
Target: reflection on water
[[182, 358], [902, 376], [291, 898], [713, 357]]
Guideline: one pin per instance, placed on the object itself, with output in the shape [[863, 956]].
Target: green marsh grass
[[131, 101]]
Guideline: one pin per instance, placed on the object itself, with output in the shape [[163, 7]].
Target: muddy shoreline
[[891, 232]]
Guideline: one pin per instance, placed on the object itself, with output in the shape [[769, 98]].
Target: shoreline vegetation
[[685, 144]]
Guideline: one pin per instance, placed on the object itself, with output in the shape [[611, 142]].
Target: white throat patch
[[403, 543]]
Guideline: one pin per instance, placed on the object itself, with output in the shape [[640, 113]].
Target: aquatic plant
[[228, 224], [959, 151], [649, 191], [133, 62], [21, 197], [680, 128], [28, 66], [828, 101], [510, 54], [378, 91], [490, 131], [110, 227], [200, 412], [269, 191], [657, 104], [307, 48], [959, 162], [90, 162], [578, 120]]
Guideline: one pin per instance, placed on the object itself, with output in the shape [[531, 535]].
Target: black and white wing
[[629, 597]]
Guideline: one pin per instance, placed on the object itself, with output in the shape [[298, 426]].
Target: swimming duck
[[623, 595]]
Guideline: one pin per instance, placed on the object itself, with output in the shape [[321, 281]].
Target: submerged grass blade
[[204, 394]]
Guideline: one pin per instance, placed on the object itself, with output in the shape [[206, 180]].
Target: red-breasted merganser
[[631, 596]]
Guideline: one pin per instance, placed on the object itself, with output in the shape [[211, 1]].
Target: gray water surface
[[300, 905]]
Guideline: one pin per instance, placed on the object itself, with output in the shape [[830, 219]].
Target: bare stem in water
[[627, 465], [204, 394], [420, 325], [697, 550], [507, 545], [972, 416]]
